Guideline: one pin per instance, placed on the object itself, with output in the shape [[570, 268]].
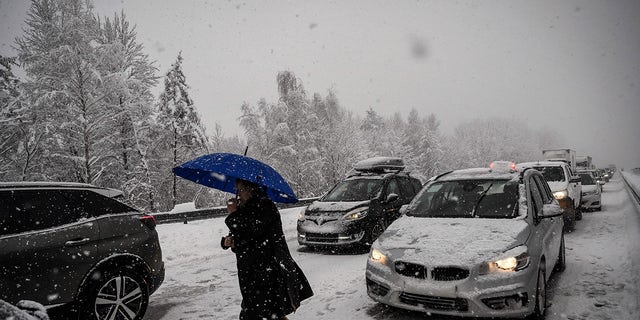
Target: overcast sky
[[571, 66]]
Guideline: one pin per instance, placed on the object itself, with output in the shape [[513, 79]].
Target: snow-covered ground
[[600, 282]]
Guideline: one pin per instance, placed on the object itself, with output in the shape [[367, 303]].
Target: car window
[[28, 210], [354, 190], [552, 174], [536, 198], [543, 187], [587, 179], [467, 198], [93, 204], [406, 188], [392, 187]]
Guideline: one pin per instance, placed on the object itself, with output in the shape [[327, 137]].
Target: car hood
[[557, 186], [450, 241], [342, 206]]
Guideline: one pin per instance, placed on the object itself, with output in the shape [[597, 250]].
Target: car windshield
[[552, 173], [354, 190], [466, 199], [586, 179]]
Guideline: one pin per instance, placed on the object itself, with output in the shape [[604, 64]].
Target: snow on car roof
[[108, 192], [540, 164], [477, 173]]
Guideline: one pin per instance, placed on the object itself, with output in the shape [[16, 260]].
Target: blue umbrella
[[220, 171]]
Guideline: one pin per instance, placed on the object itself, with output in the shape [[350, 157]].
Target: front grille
[[449, 273], [411, 269], [435, 303], [321, 237], [377, 289]]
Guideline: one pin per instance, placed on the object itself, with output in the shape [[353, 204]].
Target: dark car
[[75, 244], [359, 208]]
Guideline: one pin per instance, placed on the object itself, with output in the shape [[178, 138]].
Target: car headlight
[[377, 256], [513, 260], [560, 194], [301, 216], [356, 214]]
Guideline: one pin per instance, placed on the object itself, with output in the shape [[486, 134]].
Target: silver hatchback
[[475, 242]]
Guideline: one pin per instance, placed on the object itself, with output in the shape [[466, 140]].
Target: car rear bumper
[[157, 277]]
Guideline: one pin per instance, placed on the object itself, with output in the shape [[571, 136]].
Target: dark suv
[[75, 244], [359, 208]]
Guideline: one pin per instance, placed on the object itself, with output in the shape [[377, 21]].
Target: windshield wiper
[[484, 193]]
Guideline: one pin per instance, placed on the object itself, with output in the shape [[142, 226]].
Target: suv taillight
[[148, 221]]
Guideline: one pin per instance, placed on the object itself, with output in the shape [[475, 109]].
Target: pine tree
[[183, 131]]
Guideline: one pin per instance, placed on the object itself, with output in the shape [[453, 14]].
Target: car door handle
[[76, 242]]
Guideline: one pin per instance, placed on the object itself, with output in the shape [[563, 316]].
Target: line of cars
[[477, 242]]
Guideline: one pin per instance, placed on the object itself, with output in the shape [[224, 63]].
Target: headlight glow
[[513, 263], [377, 256], [560, 194], [356, 214]]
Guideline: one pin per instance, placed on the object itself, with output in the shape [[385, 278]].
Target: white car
[[591, 192], [473, 243], [566, 187]]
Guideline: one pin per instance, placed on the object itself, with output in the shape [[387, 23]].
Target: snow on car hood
[[342, 206], [451, 241]]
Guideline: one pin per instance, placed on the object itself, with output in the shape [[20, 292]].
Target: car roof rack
[[380, 165]]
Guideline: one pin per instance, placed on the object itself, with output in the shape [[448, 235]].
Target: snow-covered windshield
[[552, 173], [466, 199], [354, 190]]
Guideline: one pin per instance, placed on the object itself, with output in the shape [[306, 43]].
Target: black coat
[[271, 283]]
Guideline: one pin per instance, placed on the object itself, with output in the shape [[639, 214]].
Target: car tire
[[579, 213], [570, 224], [97, 300], [561, 264], [540, 308], [374, 233]]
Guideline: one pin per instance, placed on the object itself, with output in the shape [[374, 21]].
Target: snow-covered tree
[[184, 135]]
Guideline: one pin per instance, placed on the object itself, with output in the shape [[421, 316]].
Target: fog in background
[[570, 66]]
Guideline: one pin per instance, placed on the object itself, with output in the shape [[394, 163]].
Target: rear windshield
[[586, 179], [467, 199], [552, 173], [354, 190]]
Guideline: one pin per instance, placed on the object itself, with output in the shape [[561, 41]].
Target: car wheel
[[570, 223], [561, 264], [579, 214], [541, 296], [120, 294], [374, 233]]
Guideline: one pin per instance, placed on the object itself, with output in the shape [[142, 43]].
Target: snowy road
[[600, 282]]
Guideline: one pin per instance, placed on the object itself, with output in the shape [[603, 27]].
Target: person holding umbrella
[[271, 283]]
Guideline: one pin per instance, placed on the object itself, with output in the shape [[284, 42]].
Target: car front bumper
[[330, 233], [493, 295]]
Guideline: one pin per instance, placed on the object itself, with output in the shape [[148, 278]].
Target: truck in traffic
[[584, 163], [564, 155]]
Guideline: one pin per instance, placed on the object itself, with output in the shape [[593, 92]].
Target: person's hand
[[232, 205], [228, 241]]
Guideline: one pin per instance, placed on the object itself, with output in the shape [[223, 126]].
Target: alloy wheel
[[120, 298]]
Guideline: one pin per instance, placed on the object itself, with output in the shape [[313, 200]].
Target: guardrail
[[208, 213], [632, 187]]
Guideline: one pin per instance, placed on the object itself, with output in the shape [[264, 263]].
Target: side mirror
[[551, 210], [404, 208], [391, 198]]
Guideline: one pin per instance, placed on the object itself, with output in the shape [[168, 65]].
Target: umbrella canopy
[[220, 171]]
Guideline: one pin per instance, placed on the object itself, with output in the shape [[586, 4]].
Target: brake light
[[149, 221], [502, 166]]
